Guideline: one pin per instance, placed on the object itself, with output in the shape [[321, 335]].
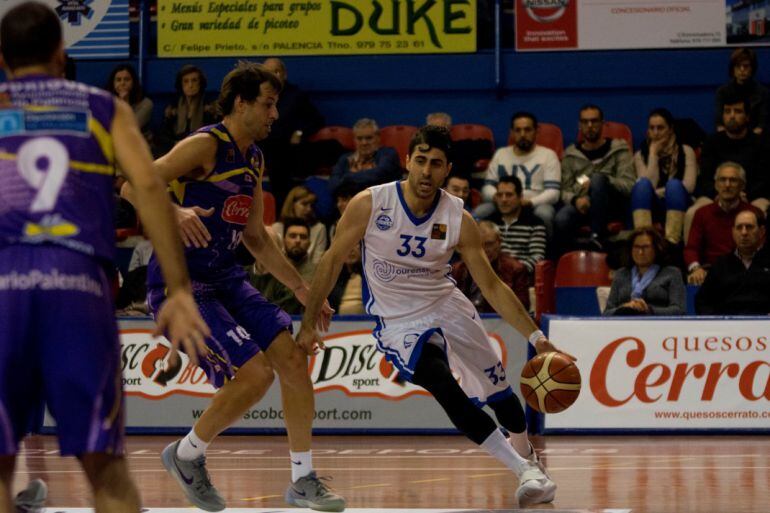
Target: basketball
[[550, 382]]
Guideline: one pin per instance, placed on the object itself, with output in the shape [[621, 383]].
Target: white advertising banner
[[697, 373]]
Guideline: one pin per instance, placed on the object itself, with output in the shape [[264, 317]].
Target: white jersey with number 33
[[406, 258]]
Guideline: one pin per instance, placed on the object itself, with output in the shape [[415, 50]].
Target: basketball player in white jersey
[[426, 327]]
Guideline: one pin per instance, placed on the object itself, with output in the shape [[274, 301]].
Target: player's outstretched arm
[[179, 316], [494, 290], [350, 230]]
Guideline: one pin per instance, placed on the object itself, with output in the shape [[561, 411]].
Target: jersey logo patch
[[438, 232], [384, 222], [236, 209]]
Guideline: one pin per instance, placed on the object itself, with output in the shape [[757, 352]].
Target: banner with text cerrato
[[208, 28], [689, 373]]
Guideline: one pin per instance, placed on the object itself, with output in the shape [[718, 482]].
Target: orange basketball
[[550, 382]]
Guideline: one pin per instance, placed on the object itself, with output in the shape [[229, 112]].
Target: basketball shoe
[[194, 479], [32, 498], [535, 485], [311, 492]]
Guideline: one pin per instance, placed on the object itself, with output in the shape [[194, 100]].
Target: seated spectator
[[711, 232], [299, 203], [342, 197], [739, 282], [347, 295], [132, 296], [646, 286], [596, 180], [439, 119], [296, 242], [536, 167], [742, 72], [666, 172], [371, 164], [522, 232], [511, 271], [459, 186], [124, 83], [189, 113]]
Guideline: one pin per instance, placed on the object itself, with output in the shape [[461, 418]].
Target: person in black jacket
[[739, 282]]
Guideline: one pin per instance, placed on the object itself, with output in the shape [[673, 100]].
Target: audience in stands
[[742, 72], [132, 296], [285, 148], [299, 203], [596, 180], [523, 233], [347, 295], [296, 244], [342, 197], [739, 282], [645, 285], [666, 171], [370, 164], [537, 167], [189, 113], [711, 231], [123, 82], [460, 186], [511, 271], [439, 119]]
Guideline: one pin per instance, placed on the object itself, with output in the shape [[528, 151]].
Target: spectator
[[439, 119], [190, 111], [711, 232], [523, 233], [347, 295], [342, 197], [458, 185], [132, 296], [597, 176], [286, 147], [371, 164], [299, 203], [743, 68], [537, 168], [511, 271], [124, 83], [645, 286], [666, 172], [296, 242], [739, 282]]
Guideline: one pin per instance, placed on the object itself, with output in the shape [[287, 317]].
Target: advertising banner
[[356, 387], [698, 373], [627, 24], [204, 28], [92, 30]]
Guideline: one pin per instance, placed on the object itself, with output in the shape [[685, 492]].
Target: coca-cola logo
[[236, 209]]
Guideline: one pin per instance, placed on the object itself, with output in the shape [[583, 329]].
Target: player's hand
[[302, 293], [309, 341], [182, 323], [191, 228], [543, 345]]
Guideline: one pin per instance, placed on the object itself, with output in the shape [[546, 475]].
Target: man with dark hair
[[427, 328], [216, 180], [742, 71], [537, 167], [59, 342], [460, 187], [597, 174]]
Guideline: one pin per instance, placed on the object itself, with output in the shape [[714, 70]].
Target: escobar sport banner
[[690, 373], [625, 24], [208, 28]]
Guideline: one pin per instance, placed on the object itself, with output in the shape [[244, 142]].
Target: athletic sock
[[497, 446], [301, 464], [191, 447]]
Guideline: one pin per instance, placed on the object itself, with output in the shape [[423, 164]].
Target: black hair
[[514, 180], [432, 136], [288, 222], [244, 81], [593, 107], [30, 34], [523, 114], [189, 69], [136, 94]]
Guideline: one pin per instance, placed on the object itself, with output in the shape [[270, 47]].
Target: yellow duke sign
[[212, 28]]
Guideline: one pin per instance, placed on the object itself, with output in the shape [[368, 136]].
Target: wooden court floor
[[687, 474]]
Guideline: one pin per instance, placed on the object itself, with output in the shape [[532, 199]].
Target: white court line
[[230, 457]]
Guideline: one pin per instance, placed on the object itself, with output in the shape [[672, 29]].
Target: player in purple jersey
[[216, 181], [60, 143]]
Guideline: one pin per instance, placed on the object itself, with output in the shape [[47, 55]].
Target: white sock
[[301, 464], [497, 445], [191, 447], [520, 443]]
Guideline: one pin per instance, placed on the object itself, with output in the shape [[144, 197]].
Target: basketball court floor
[[442, 474]]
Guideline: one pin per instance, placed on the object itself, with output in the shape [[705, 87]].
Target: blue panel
[[580, 301]]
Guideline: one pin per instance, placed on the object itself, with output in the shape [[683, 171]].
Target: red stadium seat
[[268, 202], [472, 131], [548, 135], [398, 137], [341, 134], [582, 269], [545, 297], [615, 130]]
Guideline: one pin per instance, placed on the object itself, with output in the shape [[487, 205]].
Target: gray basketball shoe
[[32, 498], [311, 492], [194, 479]]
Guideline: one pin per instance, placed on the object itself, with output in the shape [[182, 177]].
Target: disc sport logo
[[545, 11]]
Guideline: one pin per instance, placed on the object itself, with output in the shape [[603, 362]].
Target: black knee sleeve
[[510, 414], [433, 374]]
